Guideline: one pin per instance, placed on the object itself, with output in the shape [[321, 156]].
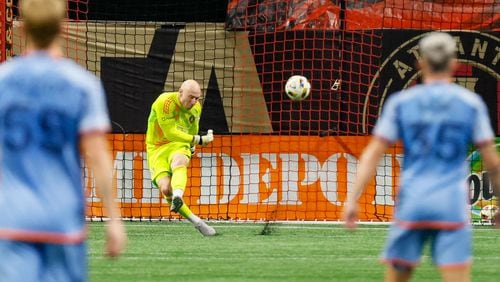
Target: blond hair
[[438, 49], [42, 20]]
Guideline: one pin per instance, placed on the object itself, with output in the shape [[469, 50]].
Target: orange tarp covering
[[400, 14], [420, 14]]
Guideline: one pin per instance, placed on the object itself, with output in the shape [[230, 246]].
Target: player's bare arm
[[366, 169], [96, 148]]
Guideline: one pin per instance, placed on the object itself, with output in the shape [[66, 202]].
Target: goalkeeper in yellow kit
[[171, 137]]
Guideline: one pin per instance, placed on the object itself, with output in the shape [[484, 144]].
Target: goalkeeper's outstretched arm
[[170, 130], [165, 110]]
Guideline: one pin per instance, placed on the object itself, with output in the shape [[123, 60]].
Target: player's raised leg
[[199, 224], [179, 180], [173, 189]]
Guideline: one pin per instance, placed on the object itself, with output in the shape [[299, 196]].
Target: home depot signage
[[305, 178]]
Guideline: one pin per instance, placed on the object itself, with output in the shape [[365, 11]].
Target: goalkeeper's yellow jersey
[[170, 123]]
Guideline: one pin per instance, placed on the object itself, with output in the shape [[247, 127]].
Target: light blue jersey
[[46, 104], [436, 123]]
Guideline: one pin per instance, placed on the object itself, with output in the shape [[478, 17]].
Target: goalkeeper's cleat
[[205, 229], [176, 204]]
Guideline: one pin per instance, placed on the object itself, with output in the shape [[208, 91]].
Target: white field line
[[179, 224], [281, 258], [163, 256], [249, 221]]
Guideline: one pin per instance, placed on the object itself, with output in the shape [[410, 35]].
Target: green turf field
[[173, 251]]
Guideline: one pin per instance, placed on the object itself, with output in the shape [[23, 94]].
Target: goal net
[[272, 158]]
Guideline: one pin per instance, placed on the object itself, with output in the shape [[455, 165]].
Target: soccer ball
[[488, 212], [297, 88]]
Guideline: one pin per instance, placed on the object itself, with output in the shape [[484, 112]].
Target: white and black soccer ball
[[297, 88], [488, 212]]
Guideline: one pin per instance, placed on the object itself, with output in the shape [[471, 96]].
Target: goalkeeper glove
[[203, 139]]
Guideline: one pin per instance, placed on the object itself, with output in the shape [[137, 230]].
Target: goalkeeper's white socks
[[177, 193]]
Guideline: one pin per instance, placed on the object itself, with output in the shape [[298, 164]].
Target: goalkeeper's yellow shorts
[[160, 159]]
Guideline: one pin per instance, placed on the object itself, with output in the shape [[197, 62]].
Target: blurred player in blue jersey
[[436, 122], [50, 108]]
